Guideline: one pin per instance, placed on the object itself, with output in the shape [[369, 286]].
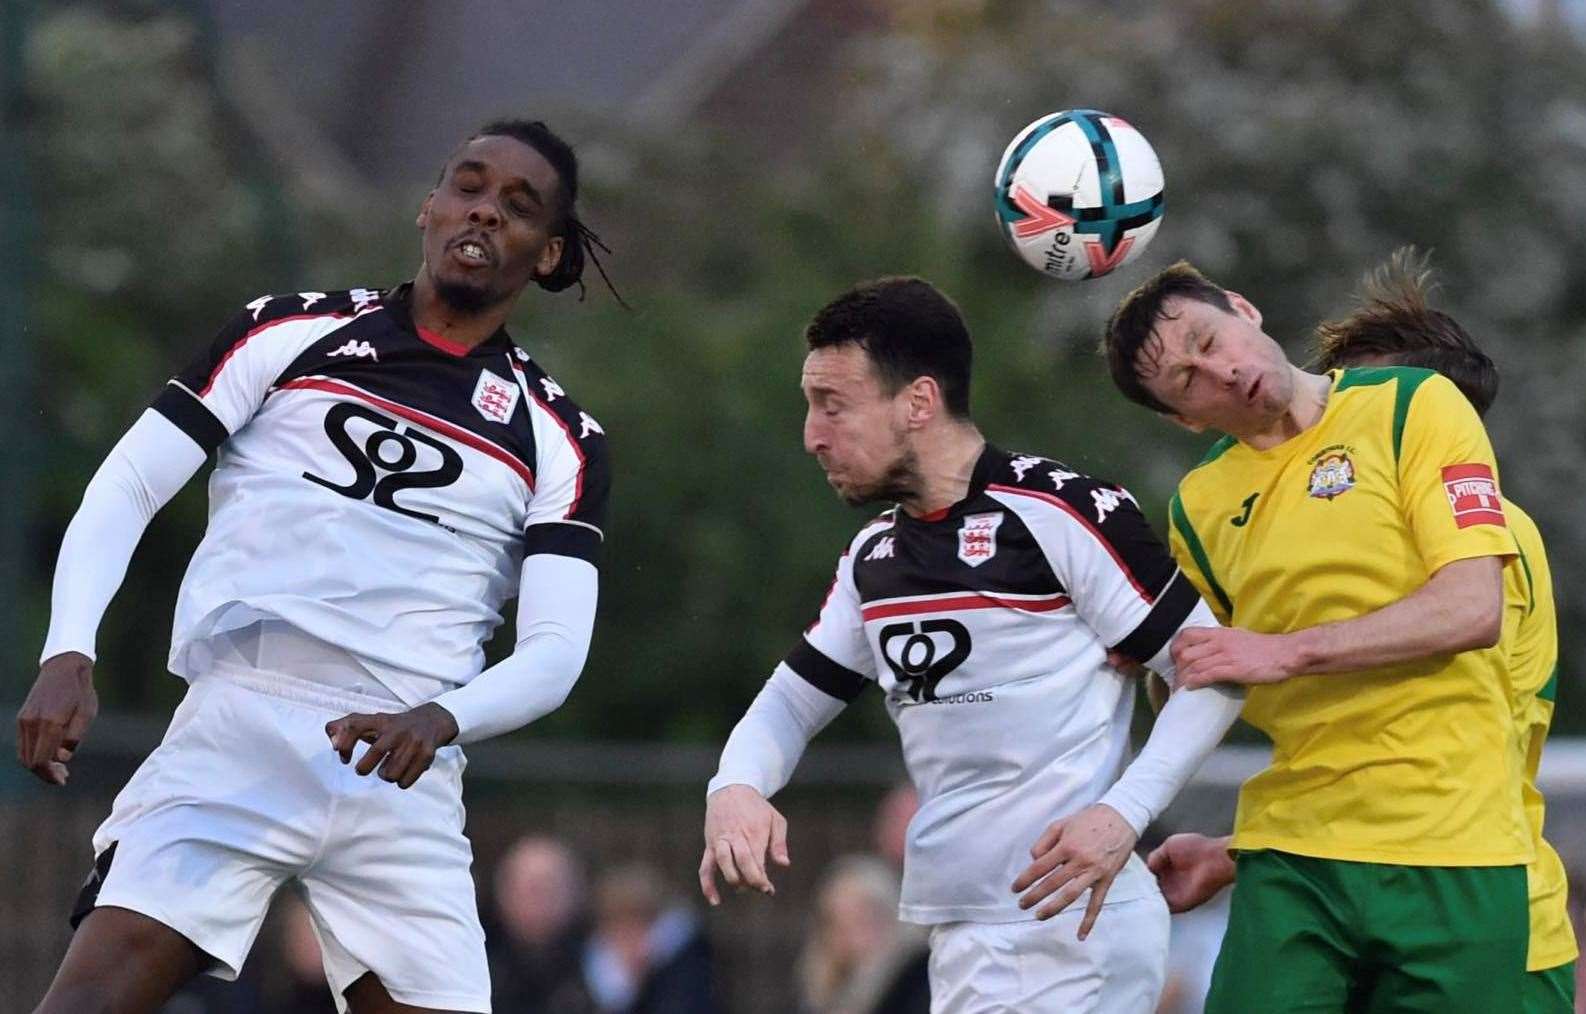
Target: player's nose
[[484, 213], [814, 438]]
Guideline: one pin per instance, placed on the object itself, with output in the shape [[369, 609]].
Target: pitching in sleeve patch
[[1473, 495]]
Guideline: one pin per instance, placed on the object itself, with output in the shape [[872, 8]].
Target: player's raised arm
[[828, 667]]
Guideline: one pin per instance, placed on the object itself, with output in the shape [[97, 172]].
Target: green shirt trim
[[1549, 691], [1187, 533], [1409, 378]]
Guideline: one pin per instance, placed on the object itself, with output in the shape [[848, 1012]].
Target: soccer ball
[[1079, 193]]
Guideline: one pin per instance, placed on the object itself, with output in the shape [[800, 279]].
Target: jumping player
[[984, 604], [1395, 325], [1350, 529], [391, 469]]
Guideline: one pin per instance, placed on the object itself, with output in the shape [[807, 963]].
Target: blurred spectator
[[860, 959], [889, 830], [646, 953], [537, 944], [304, 990]]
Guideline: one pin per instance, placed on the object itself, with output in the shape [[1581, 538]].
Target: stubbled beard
[[465, 298], [900, 482]]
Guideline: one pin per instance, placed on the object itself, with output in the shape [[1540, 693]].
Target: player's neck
[[1306, 407], [467, 329], [947, 460]]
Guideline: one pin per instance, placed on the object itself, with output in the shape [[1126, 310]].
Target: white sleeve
[[556, 617], [152, 461], [766, 744], [1189, 728]]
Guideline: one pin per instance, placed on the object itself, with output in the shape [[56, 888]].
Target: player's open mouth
[[472, 253]]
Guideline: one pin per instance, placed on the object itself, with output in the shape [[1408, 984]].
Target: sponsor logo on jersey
[[882, 550], [1473, 495], [1332, 474], [495, 398], [977, 540], [921, 654], [357, 349]]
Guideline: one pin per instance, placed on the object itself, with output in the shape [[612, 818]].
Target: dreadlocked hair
[[579, 242]]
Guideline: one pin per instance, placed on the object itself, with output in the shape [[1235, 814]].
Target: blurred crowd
[[627, 941]]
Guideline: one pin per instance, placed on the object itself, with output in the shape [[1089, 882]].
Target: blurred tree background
[[1301, 144]]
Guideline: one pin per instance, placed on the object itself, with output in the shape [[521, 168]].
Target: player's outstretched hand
[[1083, 851], [403, 745], [741, 828], [1207, 655], [56, 715], [1190, 868]]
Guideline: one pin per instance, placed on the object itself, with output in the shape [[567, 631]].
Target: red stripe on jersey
[[969, 600], [1068, 508], [240, 342], [578, 481], [446, 345], [424, 419]]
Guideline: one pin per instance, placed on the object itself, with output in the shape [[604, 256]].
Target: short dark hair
[[908, 328], [578, 242], [1133, 325], [1394, 320]]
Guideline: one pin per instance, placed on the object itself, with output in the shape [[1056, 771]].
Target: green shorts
[[1325, 935], [1550, 991]]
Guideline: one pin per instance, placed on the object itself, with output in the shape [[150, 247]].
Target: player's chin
[[466, 294]]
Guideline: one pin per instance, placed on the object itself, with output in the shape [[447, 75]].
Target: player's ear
[[924, 401], [1244, 308], [550, 257], [423, 220]]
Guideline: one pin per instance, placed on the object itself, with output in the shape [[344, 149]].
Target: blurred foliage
[[1301, 144]]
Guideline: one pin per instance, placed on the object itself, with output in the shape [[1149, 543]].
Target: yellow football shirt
[[1417, 763], [1531, 634]]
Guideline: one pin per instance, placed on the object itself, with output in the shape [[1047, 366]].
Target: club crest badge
[[977, 540], [494, 397], [1333, 474]]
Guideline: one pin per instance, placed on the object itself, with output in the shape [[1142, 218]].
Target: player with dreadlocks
[[391, 469]]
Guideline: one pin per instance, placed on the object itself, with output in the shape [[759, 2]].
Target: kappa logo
[[1060, 475], [1108, 500], [553, 390], [258, 305], [1473, 495], [589, 425], [882, 550], [310, 298], [1023, 463], [921, 655], [356, 349], [977, 540], [495, 398], [364, 300]]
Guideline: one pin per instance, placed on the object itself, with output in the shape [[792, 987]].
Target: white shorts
[[245, 793], [1040, 967]]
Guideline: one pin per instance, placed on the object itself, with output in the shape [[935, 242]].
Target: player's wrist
[[445, 723]]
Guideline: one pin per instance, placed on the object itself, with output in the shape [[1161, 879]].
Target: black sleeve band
[[1172, 606], [189, 415], [558, 539], [823, 674]]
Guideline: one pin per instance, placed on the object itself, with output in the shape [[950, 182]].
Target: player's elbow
[[1480, 624]]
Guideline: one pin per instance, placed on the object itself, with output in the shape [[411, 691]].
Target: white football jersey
[[987, 625], [377, 487]]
